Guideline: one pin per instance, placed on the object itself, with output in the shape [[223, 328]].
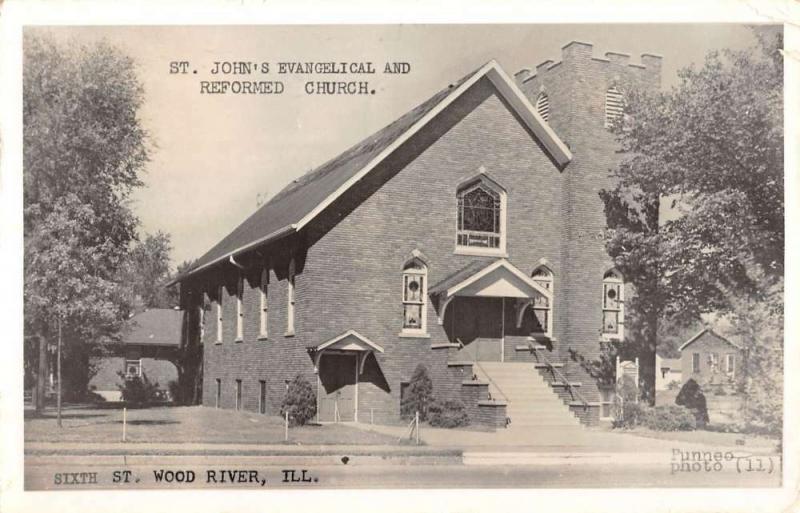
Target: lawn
[[701, 436], [194, 424]]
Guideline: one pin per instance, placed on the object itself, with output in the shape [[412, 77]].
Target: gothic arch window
[[481, 217], [543, 307], [240, 309], [263, 326], [614, 106], [613, 305], [219, 313], [543, 106], [415, 293]]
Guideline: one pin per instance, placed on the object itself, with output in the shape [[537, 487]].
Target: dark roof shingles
[[302, 195], [157, 326]]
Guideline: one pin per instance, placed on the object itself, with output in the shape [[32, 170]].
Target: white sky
[[216, 154]]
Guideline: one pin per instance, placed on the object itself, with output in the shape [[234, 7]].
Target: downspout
[[235, 263]]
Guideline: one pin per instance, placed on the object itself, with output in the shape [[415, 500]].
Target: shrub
[[138, 391], [447, 414], [669, 417], [674, 385], [627, 415], [418, 395], [693, 398], [174, 391], [300, 402]]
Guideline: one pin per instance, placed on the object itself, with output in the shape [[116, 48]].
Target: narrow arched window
[[481, 216], [415, 292], [240, 310], [263, 304], [219, 314], [290, 299], [543, 106], [542, 306], [613, 304], [615, 104]]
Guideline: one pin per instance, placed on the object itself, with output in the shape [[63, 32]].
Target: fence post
[[286, 427], [124, 422]]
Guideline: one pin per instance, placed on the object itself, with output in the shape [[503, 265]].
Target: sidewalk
[[574, 441]]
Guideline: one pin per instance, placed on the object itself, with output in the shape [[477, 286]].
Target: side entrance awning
[[499, 278], [349, 341]]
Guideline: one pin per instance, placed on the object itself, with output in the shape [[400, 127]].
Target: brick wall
[[350, 260], [576, 86]]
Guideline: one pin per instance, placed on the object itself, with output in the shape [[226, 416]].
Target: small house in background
[[710, 359], [149, 346], [668, 370]]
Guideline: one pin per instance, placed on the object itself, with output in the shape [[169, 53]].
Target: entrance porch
[[338, 364], [486, 302]]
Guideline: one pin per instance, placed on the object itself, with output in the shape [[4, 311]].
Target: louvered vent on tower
[[543, 106], [614, 105]]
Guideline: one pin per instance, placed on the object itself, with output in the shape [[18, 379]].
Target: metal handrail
[[557, 373], [475, 362]]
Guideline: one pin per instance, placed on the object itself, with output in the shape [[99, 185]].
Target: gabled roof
[[303, 199], [494, 271], [701, 333], [350, 340], [157, 326]]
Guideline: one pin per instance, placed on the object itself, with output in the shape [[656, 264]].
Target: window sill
[[611, 337], [263, 337], [413, 334], [289, 334], [238, 340], [475, 251], [217, 342]]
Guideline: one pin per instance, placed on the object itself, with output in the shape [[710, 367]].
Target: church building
[[467, 236]]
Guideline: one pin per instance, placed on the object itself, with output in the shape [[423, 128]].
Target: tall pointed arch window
[[240, 309], [263, 325], [543, 106], [615, 104], [481, 217], [613, 305], [220, 291], [415, 293], [290, 292], [542, 306]]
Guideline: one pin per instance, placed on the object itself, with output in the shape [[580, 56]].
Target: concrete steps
[[531, 404]]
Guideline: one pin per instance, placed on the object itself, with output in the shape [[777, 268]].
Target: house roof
[[157, 326], [701, 333], [303, 199]]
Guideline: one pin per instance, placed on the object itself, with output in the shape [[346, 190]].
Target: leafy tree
[[148, 271], [711, 149], [83, 150], [760, 329], [419, 394]]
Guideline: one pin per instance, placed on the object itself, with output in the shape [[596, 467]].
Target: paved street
[[43, 472], [88, 453]]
